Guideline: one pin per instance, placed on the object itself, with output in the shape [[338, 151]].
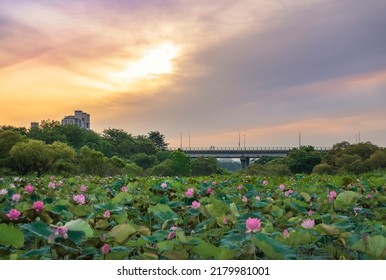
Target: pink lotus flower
[[51, 239], [15, 197], [106, 214], [80, 199], [209, 191], [189, 192], [38, 205], [196, 204], [265, 182], [225, 221], [172, 232], [258, 198], [105, 248], [164, 185], [369, 196], [310, 213], [282, 186], [83, 188], [29, 188], [58, 183], [52, 178], [13, 214], [173, 228], [51, 185], [287, 193], [3, 192], [124, 189], [171, 235], [62, 231], [244, 199], [308, 223], [285, 233], [252, 225], [331, 196], [12, 186], [239, 187], [214, 183]]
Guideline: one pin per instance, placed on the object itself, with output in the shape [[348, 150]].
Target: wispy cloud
[[256, 66]]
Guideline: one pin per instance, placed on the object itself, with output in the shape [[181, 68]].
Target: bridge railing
[[237, 149]]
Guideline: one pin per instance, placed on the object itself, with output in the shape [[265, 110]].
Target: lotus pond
[[228, 217]]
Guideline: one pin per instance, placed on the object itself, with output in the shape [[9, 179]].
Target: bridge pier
[[244, 162]]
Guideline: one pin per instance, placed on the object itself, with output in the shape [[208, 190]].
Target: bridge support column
[[244, 162]]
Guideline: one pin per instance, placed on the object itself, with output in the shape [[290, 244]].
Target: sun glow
[[154, 64]]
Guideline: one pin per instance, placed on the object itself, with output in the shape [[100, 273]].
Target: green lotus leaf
[[272, 248], [11, 236], [346, 199], [160, 208], [216, 208], [305, 196], [207, 250], [80, 225], [122, 232], [374, 246], [39, 229], [327, 229], [122, 196]]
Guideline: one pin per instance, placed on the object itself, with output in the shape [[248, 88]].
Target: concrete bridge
[[244, 153]]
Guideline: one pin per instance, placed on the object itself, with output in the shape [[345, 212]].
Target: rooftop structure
[[80, 119]]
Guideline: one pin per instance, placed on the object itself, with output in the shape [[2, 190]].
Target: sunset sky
[[265, 69]]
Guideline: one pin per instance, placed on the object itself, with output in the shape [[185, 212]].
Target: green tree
[[119, 143], [21, 130], [143, 160], [203, 166], [323, 169], [48, 131], [180, 163], [115, 166], [144, 145], [364, 150], [92, 162], [78, 137], [303, 160], [133, 170], [377, 160], [162, 169], [8, 138], [229, 165], [158, 139], [37, 156]]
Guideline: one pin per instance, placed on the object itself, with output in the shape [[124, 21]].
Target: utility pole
[[181, 141], [189, 141], [239, 139], [300, 140], [244, 141]]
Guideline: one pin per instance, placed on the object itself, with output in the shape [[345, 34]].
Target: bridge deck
[[239, 149]]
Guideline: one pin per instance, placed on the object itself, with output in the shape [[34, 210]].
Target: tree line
[[69, 150], [342, 158]]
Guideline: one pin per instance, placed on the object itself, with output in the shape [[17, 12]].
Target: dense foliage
[[227, 217], [112, 152], [69, 150], [343, 158]]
